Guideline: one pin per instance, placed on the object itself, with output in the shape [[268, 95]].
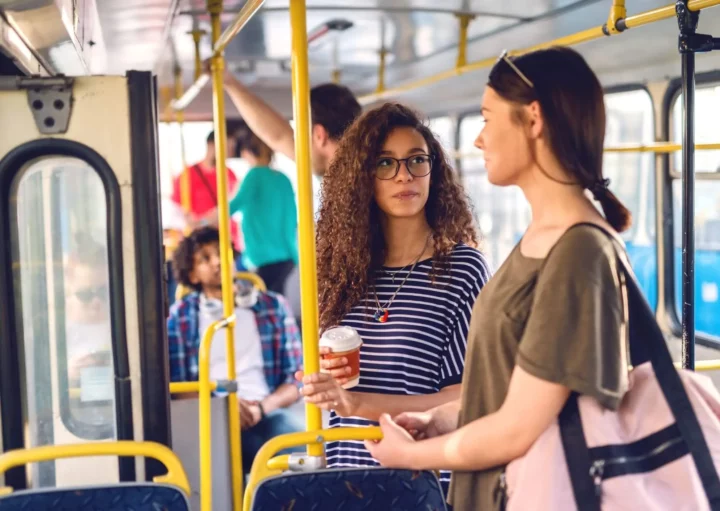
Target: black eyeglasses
[[87, 295], [418, 165], [504, 57]]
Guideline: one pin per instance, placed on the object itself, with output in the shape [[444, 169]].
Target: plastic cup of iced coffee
[[345, 342]]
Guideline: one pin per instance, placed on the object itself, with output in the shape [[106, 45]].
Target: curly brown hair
[[350, 242]]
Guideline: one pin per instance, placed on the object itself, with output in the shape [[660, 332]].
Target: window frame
[[673, 91], [11, 337]]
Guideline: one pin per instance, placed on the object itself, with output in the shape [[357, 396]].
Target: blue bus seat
[[112, 497], [352, 489]]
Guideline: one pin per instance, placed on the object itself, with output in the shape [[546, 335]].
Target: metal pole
[[687, 23], [227, 268], [688, 212], [306, 225]]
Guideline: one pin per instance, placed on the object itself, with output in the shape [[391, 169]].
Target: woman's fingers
[[340, 373], [334, 363]]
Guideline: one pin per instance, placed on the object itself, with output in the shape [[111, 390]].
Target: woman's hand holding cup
[[338, 368]]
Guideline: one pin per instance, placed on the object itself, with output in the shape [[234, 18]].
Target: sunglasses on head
[[89, 294], [505, 58]]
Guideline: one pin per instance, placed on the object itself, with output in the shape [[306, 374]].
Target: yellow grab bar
[[264, 465], [180, 387], [580, 37], [656, 147], [703, 365], [256, 279], [220, 41], [659, 147], [306, 223], [175, 472], [185, 198], [204, 416]]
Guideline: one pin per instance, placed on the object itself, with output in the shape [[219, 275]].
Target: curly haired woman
[[396, 263]]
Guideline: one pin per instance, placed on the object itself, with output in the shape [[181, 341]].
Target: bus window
[[444, 129], [60, 261], [707, 210], [502, 213], [707, 128], [632, 179]]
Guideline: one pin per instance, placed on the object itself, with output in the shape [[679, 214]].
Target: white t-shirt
[[249, 373]]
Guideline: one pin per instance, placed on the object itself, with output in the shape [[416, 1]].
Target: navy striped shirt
[[421, 347]]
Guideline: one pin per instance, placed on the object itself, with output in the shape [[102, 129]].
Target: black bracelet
[[262, 410]]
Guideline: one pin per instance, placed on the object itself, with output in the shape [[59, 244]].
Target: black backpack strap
[[202, 177], [649, 342], [577, 456]]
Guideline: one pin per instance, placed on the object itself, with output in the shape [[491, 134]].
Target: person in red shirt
[[203, 190]]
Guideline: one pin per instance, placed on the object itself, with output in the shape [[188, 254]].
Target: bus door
[[82, 307]]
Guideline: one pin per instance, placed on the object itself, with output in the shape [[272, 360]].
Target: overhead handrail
[[656, 147], [220, 42], [637, 20], [175, 473]]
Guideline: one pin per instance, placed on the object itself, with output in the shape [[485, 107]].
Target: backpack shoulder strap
[[196, 168]]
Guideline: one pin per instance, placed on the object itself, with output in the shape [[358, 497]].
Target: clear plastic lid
[[341, 338]]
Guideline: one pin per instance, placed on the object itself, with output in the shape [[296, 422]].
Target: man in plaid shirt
[[267, 343]]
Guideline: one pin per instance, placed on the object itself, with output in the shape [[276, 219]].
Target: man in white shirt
[[267, 342]]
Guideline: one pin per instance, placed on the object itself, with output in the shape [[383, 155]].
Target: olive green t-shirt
[[561, 319]]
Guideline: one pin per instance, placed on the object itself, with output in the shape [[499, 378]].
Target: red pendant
[[382, 315]]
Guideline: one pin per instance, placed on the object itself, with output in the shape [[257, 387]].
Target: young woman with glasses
[[395, 262], [551, 321]]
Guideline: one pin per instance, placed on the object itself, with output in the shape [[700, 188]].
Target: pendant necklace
[[383, 311]]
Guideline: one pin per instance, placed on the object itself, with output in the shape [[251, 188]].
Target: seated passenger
[[267, 343], [269, 216], [88, 340], [395, 262], [551, 321]]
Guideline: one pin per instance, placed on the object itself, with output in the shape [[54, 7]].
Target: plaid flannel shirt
[[279, 337]]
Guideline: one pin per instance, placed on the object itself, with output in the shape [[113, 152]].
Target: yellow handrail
[[217, 65], [256, 279], [180, 387], [264, 463], [306, 224], [704, 365], [204, 415], [185, 199], [220, 41], [657, 147], [175, 472], [569, 40]]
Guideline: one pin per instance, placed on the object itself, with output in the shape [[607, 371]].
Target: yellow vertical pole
[[197, 35], [306, 226], [464, 20], [381, 71], [217, 65], [185, 199]]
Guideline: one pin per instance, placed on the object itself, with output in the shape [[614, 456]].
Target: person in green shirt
[[269, 215]]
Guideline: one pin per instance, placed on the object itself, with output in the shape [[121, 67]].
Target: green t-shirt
[[269, 217]]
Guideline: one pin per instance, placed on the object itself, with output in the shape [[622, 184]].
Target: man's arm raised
[[262, 119]]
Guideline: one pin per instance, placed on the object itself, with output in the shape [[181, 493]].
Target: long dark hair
[[350, 241], [571, 100]]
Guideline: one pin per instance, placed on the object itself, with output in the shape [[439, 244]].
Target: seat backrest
[[113, 497], [351, 490]]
